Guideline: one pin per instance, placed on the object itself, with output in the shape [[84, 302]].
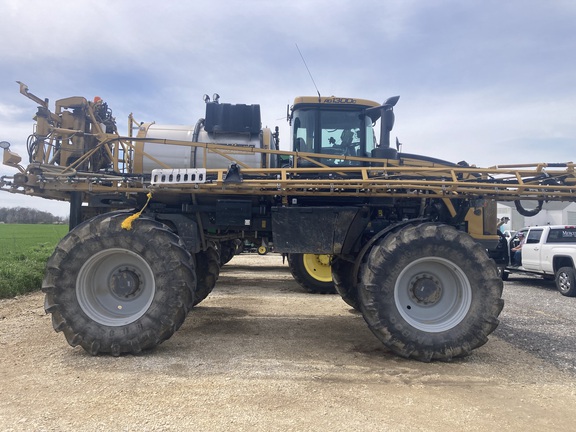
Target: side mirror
[[387, 120], [386, 113], [392, 101]]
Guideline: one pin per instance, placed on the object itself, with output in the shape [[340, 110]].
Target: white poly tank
[[236, 126]]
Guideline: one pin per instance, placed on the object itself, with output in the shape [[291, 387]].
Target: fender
[[379, 235]]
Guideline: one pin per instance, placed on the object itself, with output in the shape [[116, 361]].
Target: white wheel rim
[[563, 282], [115, 287], [433, 294]]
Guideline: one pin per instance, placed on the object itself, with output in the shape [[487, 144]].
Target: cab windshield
[[333, 132]]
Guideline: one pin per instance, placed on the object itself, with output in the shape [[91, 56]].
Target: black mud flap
[[318, 230]]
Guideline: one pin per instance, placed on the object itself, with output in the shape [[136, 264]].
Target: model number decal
[[339, 101]]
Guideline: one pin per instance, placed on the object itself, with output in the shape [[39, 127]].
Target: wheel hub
[[125, 283], [425, 289], [323, 260], [318, 266], [564, 282]]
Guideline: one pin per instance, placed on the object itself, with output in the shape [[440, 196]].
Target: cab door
[[532, 249]]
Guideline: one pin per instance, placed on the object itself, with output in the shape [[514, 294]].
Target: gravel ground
[[261, 355], [540, 321]]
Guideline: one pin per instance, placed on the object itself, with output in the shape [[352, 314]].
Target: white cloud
[[485, 130]]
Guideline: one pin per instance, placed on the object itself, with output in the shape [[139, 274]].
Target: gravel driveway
[[540, 321], [261, 355]]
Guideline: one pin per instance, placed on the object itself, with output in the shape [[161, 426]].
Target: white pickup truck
[[548, 251]]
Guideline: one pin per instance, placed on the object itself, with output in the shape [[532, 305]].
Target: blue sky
[[490, 82]]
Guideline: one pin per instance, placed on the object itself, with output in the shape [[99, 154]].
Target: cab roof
[[333, 101]]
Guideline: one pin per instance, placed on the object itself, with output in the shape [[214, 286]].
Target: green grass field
[[24, 250]]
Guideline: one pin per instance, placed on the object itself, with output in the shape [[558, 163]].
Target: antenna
[[309, 73]]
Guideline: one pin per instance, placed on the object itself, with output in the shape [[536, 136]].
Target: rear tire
[[344, 283], [227, 251], [116, 291], [566, 281], [312, 272], [207, 272], [430, 292]]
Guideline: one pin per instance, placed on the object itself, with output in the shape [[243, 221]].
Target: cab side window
[[304, 128], [534, 236]]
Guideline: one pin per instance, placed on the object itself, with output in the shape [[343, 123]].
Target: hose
[[195, 135], [528, 213]]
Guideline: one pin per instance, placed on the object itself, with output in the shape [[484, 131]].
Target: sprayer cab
[[342, 126]]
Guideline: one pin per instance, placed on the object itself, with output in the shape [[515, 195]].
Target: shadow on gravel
[[221, 335], [229, 283], [260, 268]]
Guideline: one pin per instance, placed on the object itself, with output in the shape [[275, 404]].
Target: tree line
[[26, 215]]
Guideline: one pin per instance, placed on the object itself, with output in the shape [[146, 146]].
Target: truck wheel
[[342, 274], [207, 272], [117, 291], [566, 281], [430, 292], [503, 273], [312, 272]]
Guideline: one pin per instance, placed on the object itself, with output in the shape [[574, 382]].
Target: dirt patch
[[261, 355]]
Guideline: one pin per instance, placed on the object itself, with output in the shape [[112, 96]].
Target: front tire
[[430, 292], [312, 272], [566, 281], [116, 291]]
